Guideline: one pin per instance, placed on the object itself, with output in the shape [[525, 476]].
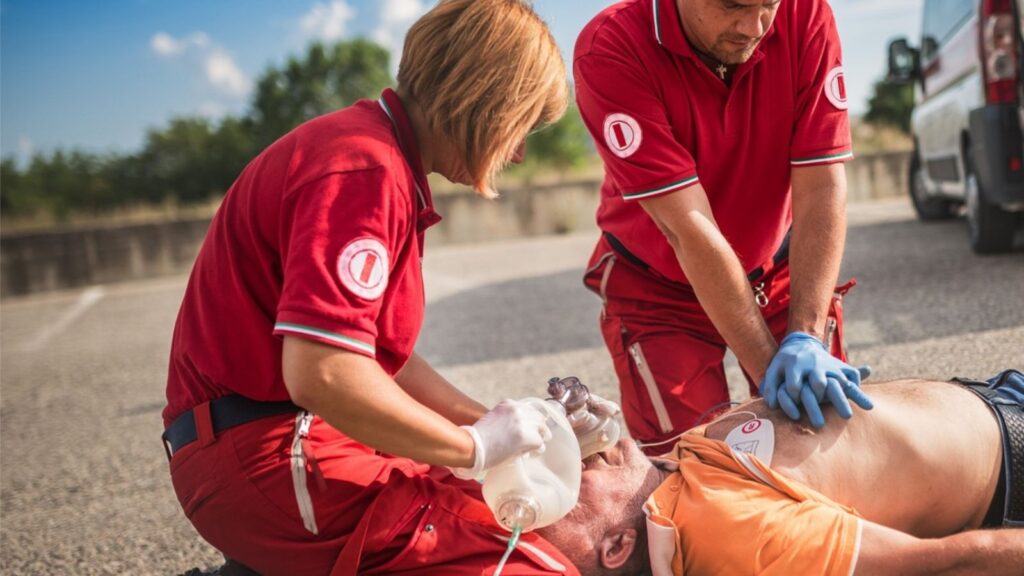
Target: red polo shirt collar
[[668, 31], [392, 106]]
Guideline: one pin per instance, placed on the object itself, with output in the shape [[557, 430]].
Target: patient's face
[[615, 484]]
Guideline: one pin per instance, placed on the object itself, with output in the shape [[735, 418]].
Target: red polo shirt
[[663, 121], [320, 237]]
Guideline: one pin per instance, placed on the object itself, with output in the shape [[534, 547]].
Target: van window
[[942, 19]]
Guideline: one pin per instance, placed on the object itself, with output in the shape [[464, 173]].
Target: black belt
[[225, 412], [1007, 508], [781, 254]]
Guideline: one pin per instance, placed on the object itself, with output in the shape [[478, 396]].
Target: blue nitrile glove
[[803, 372]]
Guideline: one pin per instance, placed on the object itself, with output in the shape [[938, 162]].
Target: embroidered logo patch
[[622, 134], [363, 268], [835, 88]]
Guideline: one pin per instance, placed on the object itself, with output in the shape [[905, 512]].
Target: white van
[[968, 113]]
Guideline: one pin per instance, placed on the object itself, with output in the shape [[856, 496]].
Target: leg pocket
[[645, 377], [198, 474], [678, 378]]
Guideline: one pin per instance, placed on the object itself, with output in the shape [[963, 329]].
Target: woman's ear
[[617, 547]]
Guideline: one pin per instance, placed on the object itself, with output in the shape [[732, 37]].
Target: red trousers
[[282, 502], [667, 353]]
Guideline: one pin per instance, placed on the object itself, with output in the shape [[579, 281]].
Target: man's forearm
[[887, 551], [716, 275], [981, 552], [718, 280], [816, 247], [989, 552]]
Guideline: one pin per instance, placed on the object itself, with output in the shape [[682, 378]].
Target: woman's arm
[[352, 393], [423, 383]]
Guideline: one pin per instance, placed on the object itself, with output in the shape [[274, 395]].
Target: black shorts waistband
[[781, 254], [225, 412], [1007, 507]]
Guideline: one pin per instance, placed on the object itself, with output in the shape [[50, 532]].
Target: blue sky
[[97, 75]]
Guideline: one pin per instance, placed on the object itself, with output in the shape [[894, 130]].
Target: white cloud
[[326, 21], [25, 149], [217, 66], [166, 45], [395, 18], [401, 10], [211, 109], [224, 74]]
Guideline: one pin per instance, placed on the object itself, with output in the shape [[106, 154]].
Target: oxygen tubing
[[508, 552]]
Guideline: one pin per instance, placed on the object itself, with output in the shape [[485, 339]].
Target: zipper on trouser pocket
[[664, 421], [830, 332], [298, 458]]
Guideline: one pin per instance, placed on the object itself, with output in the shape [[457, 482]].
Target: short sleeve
[[807, 537], [822, 131], [339, 235], [630, 128]]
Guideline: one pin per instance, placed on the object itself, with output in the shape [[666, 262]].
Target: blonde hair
[[485, 73]]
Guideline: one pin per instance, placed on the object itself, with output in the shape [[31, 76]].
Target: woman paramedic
[[305, 435]]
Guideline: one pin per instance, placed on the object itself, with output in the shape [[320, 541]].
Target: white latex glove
[[511, 428], [602, 407]]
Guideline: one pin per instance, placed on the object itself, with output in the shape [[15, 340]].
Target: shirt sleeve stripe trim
[[829, 158], [667, 188], [345, 341]]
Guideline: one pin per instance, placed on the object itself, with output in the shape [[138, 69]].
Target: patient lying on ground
[[905, 488]]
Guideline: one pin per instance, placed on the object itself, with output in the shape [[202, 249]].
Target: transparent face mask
[[595, 429]]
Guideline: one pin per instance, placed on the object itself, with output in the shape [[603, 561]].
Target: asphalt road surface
[[85, 488]]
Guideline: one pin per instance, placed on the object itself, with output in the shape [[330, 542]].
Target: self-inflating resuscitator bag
[[538, 488]]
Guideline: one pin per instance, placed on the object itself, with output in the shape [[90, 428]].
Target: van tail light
[[999, 51]]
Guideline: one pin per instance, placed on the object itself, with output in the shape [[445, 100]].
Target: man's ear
[[617, 547]]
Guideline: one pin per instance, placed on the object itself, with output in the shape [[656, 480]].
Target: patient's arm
[[991, 552]]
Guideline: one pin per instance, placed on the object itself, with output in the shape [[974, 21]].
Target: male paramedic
[[929, 482], [305, 435], [723, 127]]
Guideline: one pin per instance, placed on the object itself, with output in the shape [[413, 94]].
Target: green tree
[[190, 161], [11, 187], [563, 145], [327, 79], [891, 104], [176, 161]]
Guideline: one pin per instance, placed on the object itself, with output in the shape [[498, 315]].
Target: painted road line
[[85, 301]]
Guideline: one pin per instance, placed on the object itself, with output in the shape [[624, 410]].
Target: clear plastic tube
[[508, 551]]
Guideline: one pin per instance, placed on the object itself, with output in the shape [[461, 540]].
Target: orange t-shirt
[[726, 512]]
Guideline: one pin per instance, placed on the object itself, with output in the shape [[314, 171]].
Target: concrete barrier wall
[[43, 261], [882, 175], [52, 260]]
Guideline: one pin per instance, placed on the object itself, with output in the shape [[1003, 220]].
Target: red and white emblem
[[363, 268], [622, 134], [835, 88]]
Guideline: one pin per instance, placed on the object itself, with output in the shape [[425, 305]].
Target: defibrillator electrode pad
[[755, 437]]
